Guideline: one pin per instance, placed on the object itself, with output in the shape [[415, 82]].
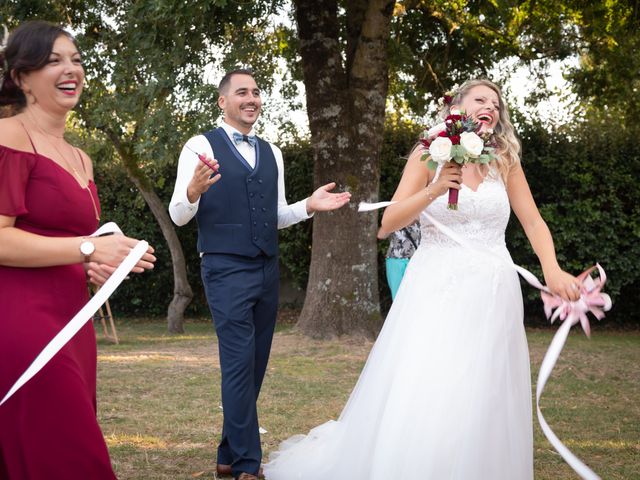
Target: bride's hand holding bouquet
[[450, 179]]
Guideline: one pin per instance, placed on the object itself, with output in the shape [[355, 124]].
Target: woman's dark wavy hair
[[28, 49]]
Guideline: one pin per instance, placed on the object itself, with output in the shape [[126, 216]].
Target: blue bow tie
[[238, 138]]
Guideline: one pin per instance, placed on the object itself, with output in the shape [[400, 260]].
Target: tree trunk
[[182, 292], [346, 107]]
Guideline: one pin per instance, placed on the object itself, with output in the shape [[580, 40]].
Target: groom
[[236, 192]]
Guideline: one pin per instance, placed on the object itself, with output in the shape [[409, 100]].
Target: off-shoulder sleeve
[[15, 168]]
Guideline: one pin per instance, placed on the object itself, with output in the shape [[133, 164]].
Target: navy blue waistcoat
[[239, 213]]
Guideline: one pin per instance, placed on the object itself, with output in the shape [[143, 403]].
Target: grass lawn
[[159, 398]]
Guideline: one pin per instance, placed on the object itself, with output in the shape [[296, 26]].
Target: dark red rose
[[455, 139], [447, 99], [425, 142], [443, 133]]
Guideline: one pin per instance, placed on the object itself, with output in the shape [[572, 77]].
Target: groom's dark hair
[[224, 83]]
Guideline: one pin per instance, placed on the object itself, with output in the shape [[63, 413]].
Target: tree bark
[[182, 292], [346, 95]]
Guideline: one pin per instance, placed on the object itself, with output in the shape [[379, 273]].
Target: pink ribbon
[[592, 299]]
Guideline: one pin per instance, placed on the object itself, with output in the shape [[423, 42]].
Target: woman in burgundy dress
[[48, 207]]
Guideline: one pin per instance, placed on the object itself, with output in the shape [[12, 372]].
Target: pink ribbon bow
[[592, 299]]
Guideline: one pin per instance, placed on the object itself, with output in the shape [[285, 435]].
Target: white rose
[[472, 143], [434, 131], [440, 150]]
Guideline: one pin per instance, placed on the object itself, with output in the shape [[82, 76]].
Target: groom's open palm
[[323, 200]]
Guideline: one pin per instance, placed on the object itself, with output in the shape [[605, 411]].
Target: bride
[[445, 393]]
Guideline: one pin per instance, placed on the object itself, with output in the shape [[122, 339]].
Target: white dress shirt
[[181, 210]]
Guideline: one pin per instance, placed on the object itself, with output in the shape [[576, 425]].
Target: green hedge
[[148, 294], [584, 181]]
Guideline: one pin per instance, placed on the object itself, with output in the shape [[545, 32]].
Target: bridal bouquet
[[459, 139]]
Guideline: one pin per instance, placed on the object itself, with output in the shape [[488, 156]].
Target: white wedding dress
[[446, 391]]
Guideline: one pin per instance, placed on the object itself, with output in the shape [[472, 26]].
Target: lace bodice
[[481, 218]]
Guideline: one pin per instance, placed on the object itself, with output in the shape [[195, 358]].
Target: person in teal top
[[403, 244]]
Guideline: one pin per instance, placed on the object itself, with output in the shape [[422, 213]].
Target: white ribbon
[[86, 313], [550, 358], [366, 207]]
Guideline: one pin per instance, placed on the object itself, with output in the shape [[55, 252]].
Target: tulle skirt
[[446, 391]]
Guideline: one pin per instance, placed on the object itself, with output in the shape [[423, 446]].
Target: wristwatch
[[87, 248]]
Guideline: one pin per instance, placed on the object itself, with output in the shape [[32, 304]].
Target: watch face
[[87, 248]]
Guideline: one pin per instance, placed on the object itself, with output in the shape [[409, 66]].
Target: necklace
[[69, 165]]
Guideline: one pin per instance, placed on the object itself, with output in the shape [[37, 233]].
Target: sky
[[517, 88], [553, 110]]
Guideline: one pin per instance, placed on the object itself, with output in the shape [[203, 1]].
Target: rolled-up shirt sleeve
[[287, 214], [181, 209]]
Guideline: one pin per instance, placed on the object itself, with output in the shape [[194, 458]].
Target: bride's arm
[[411, 195], [537, 231]]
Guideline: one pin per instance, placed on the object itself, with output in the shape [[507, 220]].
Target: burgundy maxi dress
[[48, 429]]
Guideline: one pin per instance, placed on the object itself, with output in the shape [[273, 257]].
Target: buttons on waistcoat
[[259, 222]]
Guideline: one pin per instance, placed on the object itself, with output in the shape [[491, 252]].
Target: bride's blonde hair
[[508, 145]]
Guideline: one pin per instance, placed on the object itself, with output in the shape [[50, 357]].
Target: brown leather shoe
[[222, 469], [247, 476]]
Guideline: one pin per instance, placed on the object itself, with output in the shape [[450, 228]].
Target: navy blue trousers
[[242, 293]]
